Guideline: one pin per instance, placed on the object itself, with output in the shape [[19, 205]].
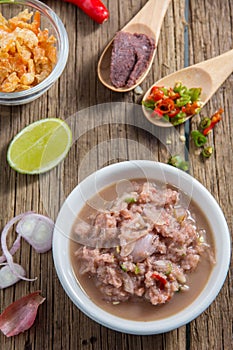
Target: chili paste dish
[[143, 254]]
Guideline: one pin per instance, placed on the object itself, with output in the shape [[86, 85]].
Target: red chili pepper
[[156, 94], [93, 8], [214, 120], [157, 113], [190, 109], [166, 106], [173, 113], [160, 279], [173, 95]]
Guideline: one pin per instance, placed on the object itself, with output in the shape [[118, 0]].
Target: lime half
[[40, 146]]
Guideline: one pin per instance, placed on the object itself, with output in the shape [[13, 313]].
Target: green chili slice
[[195, 94], [149, 104], [205, 123], [183, 100], [198, 138], [207, 152], [178, 162], [130, 200], [181, 89]]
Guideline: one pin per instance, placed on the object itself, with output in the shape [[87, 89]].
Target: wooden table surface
[[193, 30]]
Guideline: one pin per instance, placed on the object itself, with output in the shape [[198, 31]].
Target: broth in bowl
[[142, 251]]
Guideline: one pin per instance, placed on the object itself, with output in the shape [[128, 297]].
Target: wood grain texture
[[104, 138]]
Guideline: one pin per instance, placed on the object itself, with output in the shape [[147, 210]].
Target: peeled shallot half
[[37, 230]]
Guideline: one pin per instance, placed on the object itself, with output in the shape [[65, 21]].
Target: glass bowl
[[49, 20]]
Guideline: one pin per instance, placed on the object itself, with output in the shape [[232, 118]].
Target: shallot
[[20, 315], [7, 277], [37, 230]]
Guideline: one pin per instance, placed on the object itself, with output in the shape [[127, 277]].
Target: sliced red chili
[[166, 106], [156, 93], [157, 113], [162, 281], [173, 95], [214, 120], [190, 109], [173, 113]]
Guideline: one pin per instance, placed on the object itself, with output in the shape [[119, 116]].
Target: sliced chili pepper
[[183, 100], [166, 105], [157, 113], [175, 104], [173, 95], [173, 113], [205, 123], [149, 103], [191, 109], [181, 89], [214, 120], [195, 93], [162, 281], [198, 138], [156, 93], [178, 162], [207, 152]]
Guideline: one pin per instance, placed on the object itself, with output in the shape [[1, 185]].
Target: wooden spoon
[[209, 75], [147, 21]]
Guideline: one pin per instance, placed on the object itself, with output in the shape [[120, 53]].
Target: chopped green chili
[[183, 100], [169, 269], [178, 162], [207, 152], [198, 138], [123, 268], [130, 200], [205, 123], [195, 94], [173, 104], [149, 104]]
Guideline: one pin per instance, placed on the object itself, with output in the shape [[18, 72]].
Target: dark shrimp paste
[[131, 55]]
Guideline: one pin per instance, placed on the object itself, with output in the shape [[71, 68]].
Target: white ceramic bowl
[[52, 22], [157, 171]]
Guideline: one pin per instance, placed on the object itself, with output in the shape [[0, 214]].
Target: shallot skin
[[20, 315]]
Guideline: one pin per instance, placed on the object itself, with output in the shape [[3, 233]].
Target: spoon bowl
[[209, 75], [148, 21]]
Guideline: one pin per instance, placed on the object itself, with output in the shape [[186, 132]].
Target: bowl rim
[[62, 37], [82, 301]]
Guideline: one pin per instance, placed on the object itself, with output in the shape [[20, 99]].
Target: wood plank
[[124, 135]]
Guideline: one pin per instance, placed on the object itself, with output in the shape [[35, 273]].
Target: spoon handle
[[150, 16], [219, 68]]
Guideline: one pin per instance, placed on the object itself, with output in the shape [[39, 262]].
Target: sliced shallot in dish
[[36, 229], [20, 315]]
